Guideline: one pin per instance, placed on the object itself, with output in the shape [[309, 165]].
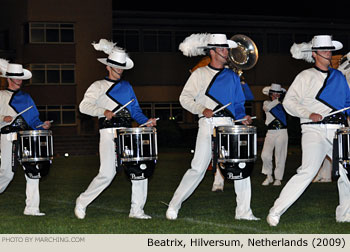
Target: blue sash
[[247, 92], [279, 113], [335, 92], [19, 102], [121, 93], [225, 88]]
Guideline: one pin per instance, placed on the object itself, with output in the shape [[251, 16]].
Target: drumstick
[[126, 104], [215, 111], [20, 113], [43, 124], [241, 120], [335, 112], [148, 122]]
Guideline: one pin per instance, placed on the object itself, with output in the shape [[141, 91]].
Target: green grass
[[204, 212]]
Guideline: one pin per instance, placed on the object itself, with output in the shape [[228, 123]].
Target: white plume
[[104, 45], [302, 51], [193, 45], [3, 66]]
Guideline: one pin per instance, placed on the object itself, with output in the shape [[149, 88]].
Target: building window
[[51, 32], [62, 115], [57, 74], [165, 111], [128, 39]]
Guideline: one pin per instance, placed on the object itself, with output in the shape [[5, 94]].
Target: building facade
[[53, 39]]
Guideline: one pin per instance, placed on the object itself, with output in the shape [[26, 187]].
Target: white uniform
[[6, 173], [275, 140], [94, 103], [316, 144], [193, 99]]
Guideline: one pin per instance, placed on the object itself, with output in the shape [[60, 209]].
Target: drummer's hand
[[47, 125], [108, 114], [208, 113], [8, 119], [248, 120], [315, 117], [152, 122]]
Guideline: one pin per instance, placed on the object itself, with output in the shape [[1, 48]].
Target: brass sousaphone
[[244, 56]]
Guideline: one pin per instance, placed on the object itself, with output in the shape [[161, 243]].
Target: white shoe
[[273, 219], [217, 187], [171, 214], [277, 182], [79, 211], [249, 217], [33, 213], [141, 216], [268, 180]]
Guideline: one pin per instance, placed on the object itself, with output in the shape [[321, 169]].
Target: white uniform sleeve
[[293, 100], [189, 94], [268, 105], [89, 103], [3, 109]]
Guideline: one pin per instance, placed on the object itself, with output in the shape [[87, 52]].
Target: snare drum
[[35, 152], [235, 150], [35, 145], [137, 151], [341, 150]]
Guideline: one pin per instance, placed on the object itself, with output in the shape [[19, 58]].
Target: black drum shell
[[232, 171], [234, 150], [36, 170], [139, 170]]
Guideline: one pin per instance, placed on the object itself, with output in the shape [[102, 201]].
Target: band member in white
[[207, 88], [276, 139], [219, 180], [314, 93], [102, 99], [12, 102]]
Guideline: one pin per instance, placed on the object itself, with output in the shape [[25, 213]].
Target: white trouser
[[199, 165], [218, 178], [106, 174], [275, 141], [6, 174], [325, 172], [316, 144]]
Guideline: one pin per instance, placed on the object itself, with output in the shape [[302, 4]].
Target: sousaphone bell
[[244, 56]]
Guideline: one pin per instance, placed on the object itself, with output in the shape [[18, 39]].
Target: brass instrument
[[244, 56]]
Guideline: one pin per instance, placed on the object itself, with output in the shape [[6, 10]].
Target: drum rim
[[343, 130], [36, 132], [237, 160], [137, 130], [236, 129], [37, 159], [139, 159]]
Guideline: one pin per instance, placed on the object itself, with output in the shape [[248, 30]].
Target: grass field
[[205, 212]]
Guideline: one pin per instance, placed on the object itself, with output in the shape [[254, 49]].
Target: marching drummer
[[208, 89], [103, 99], [13, 102], [315, 93]]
